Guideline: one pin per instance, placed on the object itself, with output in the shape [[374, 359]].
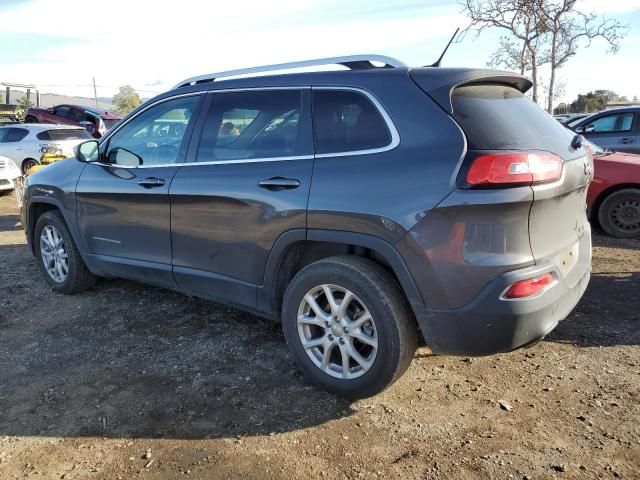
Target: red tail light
[[514, 168], [530, 287]]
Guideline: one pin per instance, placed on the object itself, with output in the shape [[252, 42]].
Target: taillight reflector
[[530, 287], [514, 168]]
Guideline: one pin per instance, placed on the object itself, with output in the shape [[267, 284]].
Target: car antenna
[[437, 63]]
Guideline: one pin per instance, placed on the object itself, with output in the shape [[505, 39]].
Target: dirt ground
[[130, 381]]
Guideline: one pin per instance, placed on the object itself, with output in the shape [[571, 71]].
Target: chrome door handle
[[279, 183], [626, 140], [151, 182]]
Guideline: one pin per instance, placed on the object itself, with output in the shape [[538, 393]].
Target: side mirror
[[89, 127], [88, 151], [589, 129]]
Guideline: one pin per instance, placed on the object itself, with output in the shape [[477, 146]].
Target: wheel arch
[[35, 208], [297, 248]]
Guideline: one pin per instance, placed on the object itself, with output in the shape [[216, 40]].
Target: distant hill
[[51, 99]]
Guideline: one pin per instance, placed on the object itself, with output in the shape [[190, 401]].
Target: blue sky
[[62, 44]]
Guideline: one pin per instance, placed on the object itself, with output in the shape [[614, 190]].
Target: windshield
[[575, 121]]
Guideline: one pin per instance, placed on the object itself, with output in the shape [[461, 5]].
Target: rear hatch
[[499, 120]]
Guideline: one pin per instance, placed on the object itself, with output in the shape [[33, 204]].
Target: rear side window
[[498, 117], [252, 124], [347, 121], [52, 135], [15, 135]]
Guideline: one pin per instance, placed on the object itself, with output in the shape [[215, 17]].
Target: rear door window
[[499, 117], [347, 121], [252, 124]]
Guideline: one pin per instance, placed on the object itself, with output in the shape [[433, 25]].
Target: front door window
[[155, 137]]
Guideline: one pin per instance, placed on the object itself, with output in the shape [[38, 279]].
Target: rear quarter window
[[499, 117], [52, 135], [347, 121]]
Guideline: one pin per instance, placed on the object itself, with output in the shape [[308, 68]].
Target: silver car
[[24, 144]]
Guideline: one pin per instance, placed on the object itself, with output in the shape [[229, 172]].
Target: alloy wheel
[[337, 331], [54, 254]]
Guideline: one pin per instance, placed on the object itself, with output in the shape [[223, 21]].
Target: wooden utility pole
[[95, 92]]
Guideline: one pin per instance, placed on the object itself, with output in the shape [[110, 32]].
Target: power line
[[91, 85]]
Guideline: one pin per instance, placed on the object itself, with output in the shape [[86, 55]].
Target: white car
[[8, 173], [25, 143]]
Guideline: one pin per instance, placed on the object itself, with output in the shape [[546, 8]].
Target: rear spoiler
[[439, 83]]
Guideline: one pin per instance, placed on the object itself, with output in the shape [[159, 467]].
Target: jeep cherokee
[[359, 207]]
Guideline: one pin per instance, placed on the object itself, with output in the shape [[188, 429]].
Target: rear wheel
[[30, 119], [348, 326], [28, 164], [58, 256], [619, 213]]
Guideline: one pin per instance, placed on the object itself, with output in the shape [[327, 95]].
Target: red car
[[614, 194], [96, 120]]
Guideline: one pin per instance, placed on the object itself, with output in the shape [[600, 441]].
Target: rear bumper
[[490, 325]]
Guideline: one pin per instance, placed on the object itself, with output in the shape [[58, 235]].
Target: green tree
[[593, 101], [24, 102], [126, 100]]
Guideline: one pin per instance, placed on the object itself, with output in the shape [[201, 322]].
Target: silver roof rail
[[354, 62]]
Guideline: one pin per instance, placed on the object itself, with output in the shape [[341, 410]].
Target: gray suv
[[358, 207]]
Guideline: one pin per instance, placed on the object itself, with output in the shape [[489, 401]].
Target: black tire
[[30, 119], [79, 278], [29, 163], [619, 213], [395, 326]]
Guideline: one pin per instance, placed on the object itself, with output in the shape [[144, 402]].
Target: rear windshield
[[498, 117], [66, 134]]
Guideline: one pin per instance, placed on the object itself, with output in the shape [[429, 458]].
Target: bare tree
[[540, 32], [567, 28], [520, 19], [511, 55], [560, 90]]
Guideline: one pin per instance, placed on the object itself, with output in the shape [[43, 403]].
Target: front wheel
[[348, 326], [619, 213], [30, 119], [58, 256]]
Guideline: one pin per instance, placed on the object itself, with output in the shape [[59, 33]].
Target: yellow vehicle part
[[34, 169], [48, 158]]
